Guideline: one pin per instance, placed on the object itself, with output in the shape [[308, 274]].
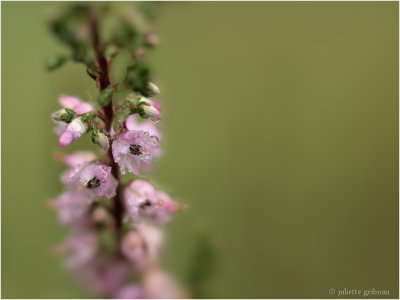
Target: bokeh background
[[281, 134]]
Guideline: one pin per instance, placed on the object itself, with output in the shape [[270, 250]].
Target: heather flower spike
[[97, 200]]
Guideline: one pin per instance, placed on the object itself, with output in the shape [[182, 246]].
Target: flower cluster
[[116, 226]]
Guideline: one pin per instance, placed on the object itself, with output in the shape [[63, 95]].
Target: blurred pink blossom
[[142, 247], [141, 198], [72, 207], [159, 285], [81, 248], [131, 291]]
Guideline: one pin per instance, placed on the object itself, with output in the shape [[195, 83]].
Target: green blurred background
[[281, 134]]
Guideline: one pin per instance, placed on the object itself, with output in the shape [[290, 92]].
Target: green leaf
[[105, 97], [93, 72], [68, 26], [55, 61], [86, 117], [93, 137]]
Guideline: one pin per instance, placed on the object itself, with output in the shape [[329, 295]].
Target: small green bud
[[64, 115], [134, 99], [105, 97], [55, 61], [112, 51]]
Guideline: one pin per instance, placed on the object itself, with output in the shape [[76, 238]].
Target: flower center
[[135, 149], [145, 204], [93, 183]]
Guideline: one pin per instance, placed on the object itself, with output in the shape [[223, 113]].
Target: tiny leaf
[[55, 61], [105, 97]]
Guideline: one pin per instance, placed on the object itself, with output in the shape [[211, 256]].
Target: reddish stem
[[103, 82]]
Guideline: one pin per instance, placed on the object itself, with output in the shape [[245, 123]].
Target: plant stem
[[104, 82]]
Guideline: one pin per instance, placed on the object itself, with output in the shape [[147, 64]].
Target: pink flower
[[160, 212], [73, 131], [81, 249], [94, 177], [133, 248], [159, 285], [153, 239], [130, 292], [72, 207], [138, 195], [103, 278], [133, 150], [76, 158], [146, 126], [60, 127], [109, 278], [142, 247], [141, 198], [77, 105]]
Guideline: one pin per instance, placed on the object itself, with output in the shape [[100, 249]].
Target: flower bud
[[149, 109], [74, 131], [112, 51], [64, 115], [101, 216], [152, 39], [153, 89], [101, 139]]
